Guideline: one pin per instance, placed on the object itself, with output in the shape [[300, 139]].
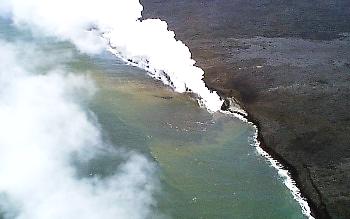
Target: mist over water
[[45, 128]]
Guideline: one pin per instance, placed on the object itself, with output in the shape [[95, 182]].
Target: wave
[[283, 173]]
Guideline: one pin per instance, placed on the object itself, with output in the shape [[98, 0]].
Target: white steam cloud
[[116, 25], [43, 124]]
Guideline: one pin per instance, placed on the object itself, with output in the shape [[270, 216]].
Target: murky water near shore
[[206, 163]]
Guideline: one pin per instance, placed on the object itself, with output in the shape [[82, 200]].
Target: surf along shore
[[288, 65]]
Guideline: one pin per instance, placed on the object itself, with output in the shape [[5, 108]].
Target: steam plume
[[95, 25]]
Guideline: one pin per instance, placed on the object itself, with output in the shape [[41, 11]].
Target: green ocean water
[[206, 163]]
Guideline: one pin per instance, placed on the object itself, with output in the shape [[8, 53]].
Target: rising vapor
[[116, 25]]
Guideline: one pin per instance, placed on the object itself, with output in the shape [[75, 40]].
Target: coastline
[[289, 78]]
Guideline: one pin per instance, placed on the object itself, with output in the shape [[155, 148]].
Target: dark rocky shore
[[288, 63]]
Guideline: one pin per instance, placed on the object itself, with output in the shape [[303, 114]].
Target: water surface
[[206, 163]]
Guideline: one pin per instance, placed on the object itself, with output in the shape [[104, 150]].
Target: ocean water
[[206, 164]]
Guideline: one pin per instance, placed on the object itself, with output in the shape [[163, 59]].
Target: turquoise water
[[205, 162]]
